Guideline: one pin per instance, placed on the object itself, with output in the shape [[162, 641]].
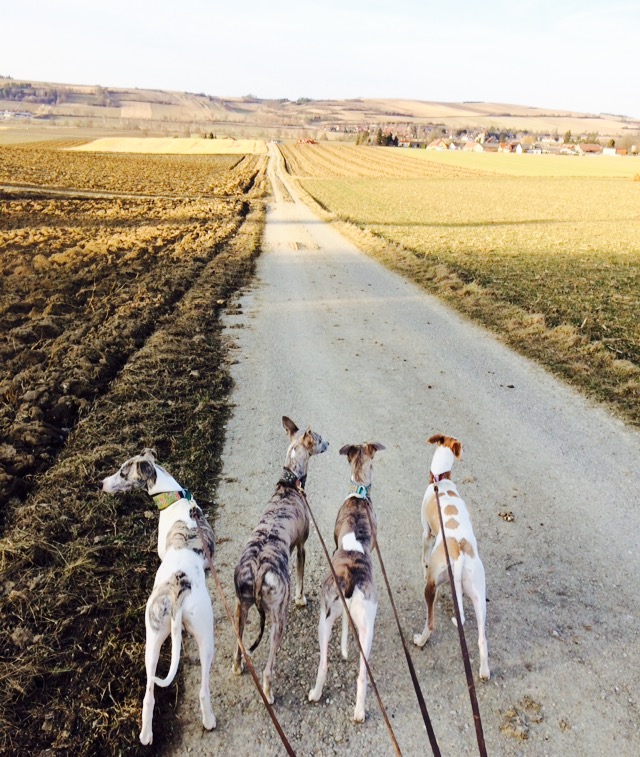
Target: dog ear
[[308, 439], [146, 472], [374, 447], [436, 439], [456, 448], [149, 453], [289, 425], [349, 450]]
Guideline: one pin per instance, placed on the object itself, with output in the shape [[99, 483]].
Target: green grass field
[[550, 240]]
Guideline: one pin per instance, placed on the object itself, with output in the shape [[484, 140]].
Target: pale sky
[[575, 54]]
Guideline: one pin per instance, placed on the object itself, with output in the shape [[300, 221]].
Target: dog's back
[[355, 534], [262, 575], [356, 517], [467, 568], [351, 560], [455, 515], [265, 561]]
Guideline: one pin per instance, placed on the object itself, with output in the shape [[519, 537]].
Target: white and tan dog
[[468, 570], [355, 535], [180, 596]]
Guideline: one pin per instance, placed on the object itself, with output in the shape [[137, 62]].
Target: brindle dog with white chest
[[355, 535], [263, 573]]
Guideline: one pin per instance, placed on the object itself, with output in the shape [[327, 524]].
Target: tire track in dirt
[[77, 566], [83, 293]]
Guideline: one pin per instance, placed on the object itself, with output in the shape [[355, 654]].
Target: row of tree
[[30, 94]]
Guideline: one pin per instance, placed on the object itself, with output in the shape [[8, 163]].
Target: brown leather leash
[[245, 654], [463, 643], [412, 671], [354, 630]]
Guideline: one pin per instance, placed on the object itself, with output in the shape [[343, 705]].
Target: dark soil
[[112, 346]]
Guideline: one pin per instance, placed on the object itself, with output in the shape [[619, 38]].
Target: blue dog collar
[[360, 491]]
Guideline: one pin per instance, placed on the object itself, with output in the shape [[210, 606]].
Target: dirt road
[[333, 340]]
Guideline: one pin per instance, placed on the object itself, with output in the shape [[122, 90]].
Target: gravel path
[[335, 341]]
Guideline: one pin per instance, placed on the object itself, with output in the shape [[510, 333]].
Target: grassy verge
[[597, 355]]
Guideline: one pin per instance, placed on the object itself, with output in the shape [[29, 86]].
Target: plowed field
[[109, 314]]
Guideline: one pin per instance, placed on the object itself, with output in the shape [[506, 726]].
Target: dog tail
[[254, 646], [260, 581], [267, 582], [170, 598]]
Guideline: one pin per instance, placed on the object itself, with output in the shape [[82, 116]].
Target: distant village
[[439, 139], [434, 137]]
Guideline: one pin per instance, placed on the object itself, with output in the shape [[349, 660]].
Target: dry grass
[[556, 166], [552, 263]]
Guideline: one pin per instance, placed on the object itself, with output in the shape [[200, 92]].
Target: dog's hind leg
[[154, 641], [325, 625], [242, 609], [201, 628], [278, 623], [427, 543], [457, 581], [301, 600], [430, 594], [364, 616], [344, 642], [275, 602], [475, 588]]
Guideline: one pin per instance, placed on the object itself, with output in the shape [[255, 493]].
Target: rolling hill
[[161, 113]]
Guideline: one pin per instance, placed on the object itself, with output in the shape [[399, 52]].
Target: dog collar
[[165, 499], [440, 477], [289, 478], [360, 490]]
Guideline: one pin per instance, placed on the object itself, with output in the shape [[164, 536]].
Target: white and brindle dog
[[467, 568], [355, 536], [180, 596], [263, 573]]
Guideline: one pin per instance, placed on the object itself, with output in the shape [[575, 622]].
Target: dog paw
[[314, 695], [358, 715], [484, 673], [236, 668], [146, 736], [266, 688], [209, 721], [420, 639], [301, 601]]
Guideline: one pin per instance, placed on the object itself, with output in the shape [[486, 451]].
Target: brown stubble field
[[542, 249], [110, 311], [56, 165]]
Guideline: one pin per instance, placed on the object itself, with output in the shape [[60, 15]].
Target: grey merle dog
[[180, 596], [263, 573]]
